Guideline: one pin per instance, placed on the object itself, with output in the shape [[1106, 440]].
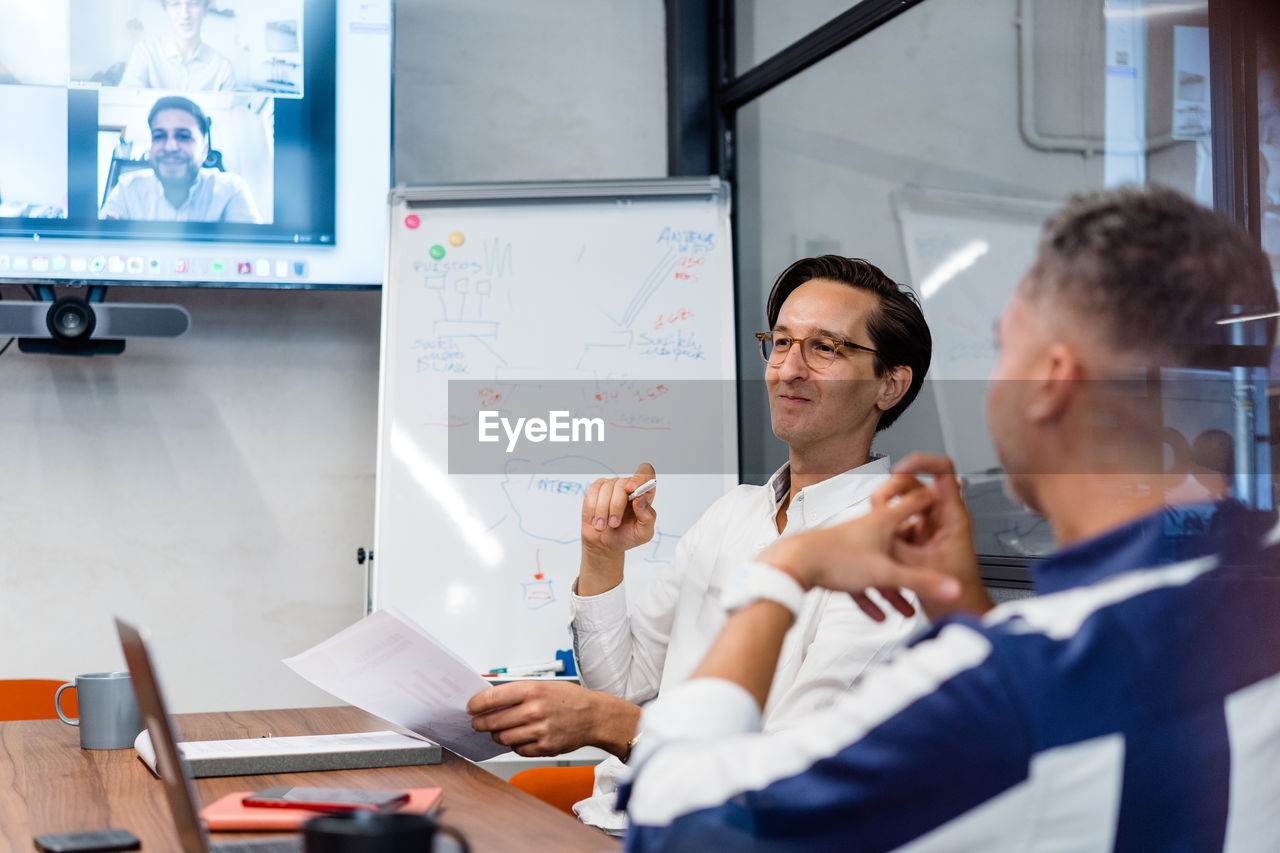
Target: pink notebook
[[230, 814]]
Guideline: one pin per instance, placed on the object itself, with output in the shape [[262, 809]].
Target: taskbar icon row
[[153, 267]]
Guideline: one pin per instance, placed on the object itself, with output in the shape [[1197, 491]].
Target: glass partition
[[935, 146], [761, 28]]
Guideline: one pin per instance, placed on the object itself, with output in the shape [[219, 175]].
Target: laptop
[[177, 785]]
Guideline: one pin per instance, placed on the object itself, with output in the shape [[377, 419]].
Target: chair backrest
[[32, 699], [118, 168], [557, 786], [213, 160]]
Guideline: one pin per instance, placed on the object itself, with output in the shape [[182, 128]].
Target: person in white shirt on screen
[[181, 61], [178, 188], [846, 353]]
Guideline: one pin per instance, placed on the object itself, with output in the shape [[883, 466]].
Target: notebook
[[230, 814], [249, 756]]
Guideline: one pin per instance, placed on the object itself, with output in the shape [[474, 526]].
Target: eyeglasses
[[817, 351]]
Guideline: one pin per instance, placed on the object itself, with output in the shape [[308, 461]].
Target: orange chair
[[557, 786], [32, 699]]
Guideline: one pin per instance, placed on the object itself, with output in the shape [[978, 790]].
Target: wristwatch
[[761, 580]]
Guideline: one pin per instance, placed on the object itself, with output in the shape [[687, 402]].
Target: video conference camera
[[70, 325]]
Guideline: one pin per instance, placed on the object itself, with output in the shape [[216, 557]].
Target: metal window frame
[[1233, 93]]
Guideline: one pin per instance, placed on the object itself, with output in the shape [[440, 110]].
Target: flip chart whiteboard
[[626, 284]]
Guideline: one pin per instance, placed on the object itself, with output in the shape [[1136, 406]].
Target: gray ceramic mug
[[108, 710]]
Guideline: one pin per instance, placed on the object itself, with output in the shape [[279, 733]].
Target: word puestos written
[[558, 426]]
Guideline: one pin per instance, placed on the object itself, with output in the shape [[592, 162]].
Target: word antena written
[[688, 241], [557, 427]]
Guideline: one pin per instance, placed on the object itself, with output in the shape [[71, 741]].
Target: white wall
[[216, 487], [33, 155], [504, 90], [32, 48]]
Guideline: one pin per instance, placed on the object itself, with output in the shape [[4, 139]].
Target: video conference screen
[[225, 142]]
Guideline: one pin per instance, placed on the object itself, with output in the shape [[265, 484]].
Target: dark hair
[[177, 102], [1155, 271], [897, 328]]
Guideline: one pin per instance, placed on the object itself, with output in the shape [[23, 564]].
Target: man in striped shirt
[[1134, 704]]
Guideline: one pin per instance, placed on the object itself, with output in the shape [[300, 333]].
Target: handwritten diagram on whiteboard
[[498, 290]]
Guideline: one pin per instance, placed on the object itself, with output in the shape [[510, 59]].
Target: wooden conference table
[[49, 784]]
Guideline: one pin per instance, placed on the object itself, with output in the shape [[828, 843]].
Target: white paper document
[[392, 668]]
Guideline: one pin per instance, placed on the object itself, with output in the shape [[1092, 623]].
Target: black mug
[[376, 832]]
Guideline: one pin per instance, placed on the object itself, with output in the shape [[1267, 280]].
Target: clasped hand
[[916, 536]]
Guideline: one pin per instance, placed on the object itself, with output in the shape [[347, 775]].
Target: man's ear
[[893, 385], [1057, 386]]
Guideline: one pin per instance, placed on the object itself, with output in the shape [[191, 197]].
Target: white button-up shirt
[[157, 64], [214, 197], [658, 644]]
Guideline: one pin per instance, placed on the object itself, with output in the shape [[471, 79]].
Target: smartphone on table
[[328, 799], [83, 842]]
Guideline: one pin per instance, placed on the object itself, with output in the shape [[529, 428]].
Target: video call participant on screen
[[178, 187], [846, 353], [180, 61], [1130, 706]]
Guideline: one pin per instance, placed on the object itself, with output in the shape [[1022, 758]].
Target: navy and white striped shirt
[[1133, 705]]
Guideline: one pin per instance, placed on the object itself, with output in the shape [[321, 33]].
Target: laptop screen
[[177, 787]]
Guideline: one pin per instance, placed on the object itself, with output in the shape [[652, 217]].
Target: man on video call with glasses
[[846, 353], [181, 61]]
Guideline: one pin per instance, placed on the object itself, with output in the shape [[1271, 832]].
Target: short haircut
[[897, 328], [177, 102], [1155, 272]]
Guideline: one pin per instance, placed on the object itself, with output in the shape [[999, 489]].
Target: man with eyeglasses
[[181, 62], [1132, 704], [845, 355]]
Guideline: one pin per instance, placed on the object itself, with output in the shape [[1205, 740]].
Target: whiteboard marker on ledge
[[529, 669], [644, 489]]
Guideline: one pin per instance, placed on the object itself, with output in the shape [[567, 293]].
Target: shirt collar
[[202, 177], [1169, 535], [171, 52], [820, 501]]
